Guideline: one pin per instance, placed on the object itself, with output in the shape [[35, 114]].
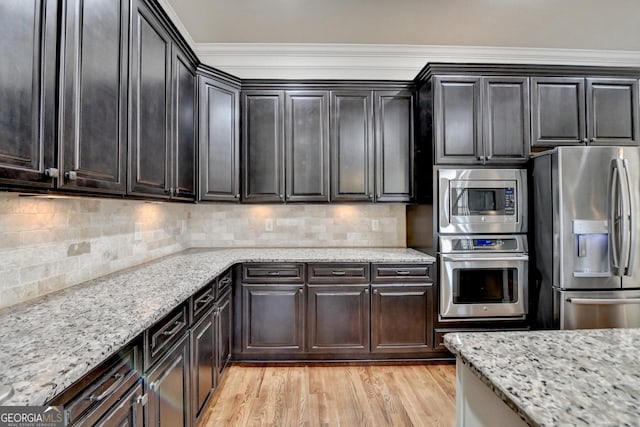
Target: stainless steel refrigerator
[[586, 233]]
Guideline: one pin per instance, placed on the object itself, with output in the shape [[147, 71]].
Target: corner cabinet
[[481, 120], [162, 111], [219, 139], [576, 110], [28, 73]]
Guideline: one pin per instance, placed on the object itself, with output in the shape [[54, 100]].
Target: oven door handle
[[485, 258]]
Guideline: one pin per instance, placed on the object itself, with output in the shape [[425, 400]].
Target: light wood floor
[[335, 395]]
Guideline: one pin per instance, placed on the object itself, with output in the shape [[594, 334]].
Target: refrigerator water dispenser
[[591, 254]]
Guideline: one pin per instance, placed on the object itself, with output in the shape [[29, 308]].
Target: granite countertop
[[559, 378], [51, 342]]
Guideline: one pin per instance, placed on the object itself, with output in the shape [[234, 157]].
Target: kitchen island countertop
[[49, 343], [552, 378]]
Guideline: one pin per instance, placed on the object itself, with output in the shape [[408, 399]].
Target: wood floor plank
[[334, 395]]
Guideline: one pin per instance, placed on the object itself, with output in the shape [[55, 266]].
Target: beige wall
[[571, 24], [50, 244]]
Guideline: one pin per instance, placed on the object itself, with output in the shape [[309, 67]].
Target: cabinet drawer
[[273, 273], [89, 399], [338, 273], [405, 273], [224, 282], [202, 301], [160, 337]]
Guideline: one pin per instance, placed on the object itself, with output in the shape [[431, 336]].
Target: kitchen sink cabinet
[[481, 120], [94, 125], [577, 110], [219, 138], [338, 318], [28, 100]]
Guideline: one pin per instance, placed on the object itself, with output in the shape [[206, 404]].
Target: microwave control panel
[[470, 244]]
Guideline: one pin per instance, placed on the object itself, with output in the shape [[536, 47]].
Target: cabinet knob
[[142, 400], [366, 291], [71, 175], [300, 291], [592, 140], [481, 158], [177, 191], [584, 140], [52, 172], [237, 195]]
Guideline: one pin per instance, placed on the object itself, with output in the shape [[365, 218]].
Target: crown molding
[[383, 62], [173, 16]]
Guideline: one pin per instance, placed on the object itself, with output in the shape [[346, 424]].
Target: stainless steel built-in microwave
[[482, 200]]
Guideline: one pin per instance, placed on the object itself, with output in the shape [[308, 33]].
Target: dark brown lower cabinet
[[128, 412], [273, 318], [401, 318], [203, 371], [338, 318], [224, 333], [168, 388]]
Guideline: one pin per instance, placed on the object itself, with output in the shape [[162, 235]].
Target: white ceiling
[[560, 24]]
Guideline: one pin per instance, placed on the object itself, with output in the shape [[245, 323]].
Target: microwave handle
[[479, 258]]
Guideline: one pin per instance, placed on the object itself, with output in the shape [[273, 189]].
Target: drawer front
[[90, 398], [160, 337], [273, 273], [404, 273], [338, 273], [224, 282], [202, 301]]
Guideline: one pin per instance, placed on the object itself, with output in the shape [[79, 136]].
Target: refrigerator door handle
[[630, 216], [625, 217], [603, 301], [614, 176]]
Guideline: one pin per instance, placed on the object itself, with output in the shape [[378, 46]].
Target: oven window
[[482, 201], [485, 285]]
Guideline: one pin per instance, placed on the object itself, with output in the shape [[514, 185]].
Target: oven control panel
[[499, 244]]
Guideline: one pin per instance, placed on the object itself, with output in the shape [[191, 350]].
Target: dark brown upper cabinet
[[162, 139], [352, 146], [481, 120], [576, 110], [219, 140], [307, 146], [394, 145], [285, 145], [93, 134], [28, 73], [263, 145]]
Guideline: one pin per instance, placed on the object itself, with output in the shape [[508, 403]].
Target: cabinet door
[[557, 111], [224, 325], [128, 411], [203, 372], [219, 141], [150, 139], [262, 145], [394, 146], [612, 111], [272, 318], [351, 146], [184, 127], [168, 389], [402, 318], [338, 318], [457, 120], [28, 91], [93, 142], [506, 119], [307, 146]]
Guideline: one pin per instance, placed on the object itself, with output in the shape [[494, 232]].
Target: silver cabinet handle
[[584, 140], [338, 273], [603, 301], [178, 325], [402, 273], [274, 273], [204, 301], [71, 175], [142, 400], [52, 172], [109, 391]]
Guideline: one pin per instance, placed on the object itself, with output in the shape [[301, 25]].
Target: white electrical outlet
[[137, 232], [375, 225], [268, 224]]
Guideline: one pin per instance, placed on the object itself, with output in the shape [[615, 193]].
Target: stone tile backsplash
[[47, 244]]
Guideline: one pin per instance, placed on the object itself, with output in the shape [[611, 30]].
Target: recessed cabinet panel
[[184, 147], [307, 146], [394, 145], [263, 146], [27, 91], [612, 111], [219, 141], [151, 103], [352, 151], [557, 111], [457, 123], [94, 126], [506, 118], [203, 371]]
